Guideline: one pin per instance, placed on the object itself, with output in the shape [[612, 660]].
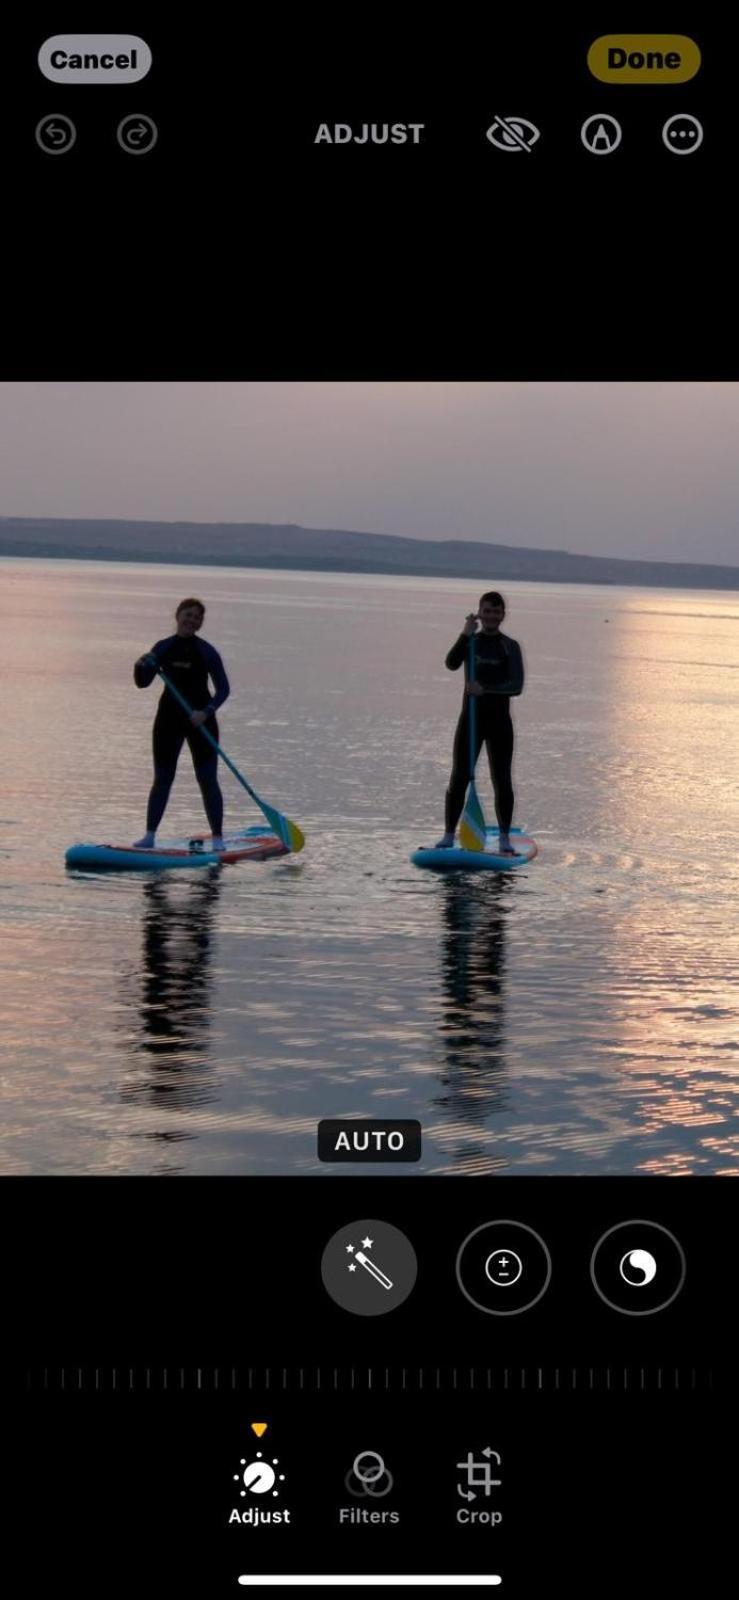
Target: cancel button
[[94, 58], [353, 1139]]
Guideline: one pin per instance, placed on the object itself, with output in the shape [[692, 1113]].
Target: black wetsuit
[[188, 663], [499, 671]]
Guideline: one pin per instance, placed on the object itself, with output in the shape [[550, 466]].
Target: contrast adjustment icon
[[638, 1268], [513, 134], [55, 135]]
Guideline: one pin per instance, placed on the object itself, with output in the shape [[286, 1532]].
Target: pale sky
[[636, 469]]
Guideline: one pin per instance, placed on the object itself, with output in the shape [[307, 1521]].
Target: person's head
[[189, 617], [491, 611]]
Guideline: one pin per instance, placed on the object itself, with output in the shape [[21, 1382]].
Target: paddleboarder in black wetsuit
[[189, 663], [498, 675]]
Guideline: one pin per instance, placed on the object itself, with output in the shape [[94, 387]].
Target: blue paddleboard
[[251, 844], [487, 860]]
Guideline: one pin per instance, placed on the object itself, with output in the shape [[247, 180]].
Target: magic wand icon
[[369, 1266]]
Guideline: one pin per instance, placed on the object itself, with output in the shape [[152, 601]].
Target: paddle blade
[[291, 835], [472, 828], [295, 835]]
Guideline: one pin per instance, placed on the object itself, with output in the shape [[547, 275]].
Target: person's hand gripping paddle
[[472, 827], [291, 835]]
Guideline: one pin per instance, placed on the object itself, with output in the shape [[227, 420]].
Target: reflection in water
[[473, 1006], [171, 993]]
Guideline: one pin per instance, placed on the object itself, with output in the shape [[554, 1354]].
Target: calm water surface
[[579, 1016]]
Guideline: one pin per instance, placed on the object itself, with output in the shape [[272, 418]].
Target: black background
[[240, 248], [147, 1322]]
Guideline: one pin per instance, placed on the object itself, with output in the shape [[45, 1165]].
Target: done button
[[644, 58]]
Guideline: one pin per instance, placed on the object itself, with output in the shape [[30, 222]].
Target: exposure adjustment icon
[[503, 1267]]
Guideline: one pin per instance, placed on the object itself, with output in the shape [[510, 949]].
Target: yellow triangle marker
[[259, 1428]]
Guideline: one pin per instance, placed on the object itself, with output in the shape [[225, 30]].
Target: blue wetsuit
[[188, 663]]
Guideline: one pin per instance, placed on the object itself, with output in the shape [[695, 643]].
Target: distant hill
[[259, 544]]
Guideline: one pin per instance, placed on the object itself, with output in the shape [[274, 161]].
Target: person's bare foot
[[447, 843]]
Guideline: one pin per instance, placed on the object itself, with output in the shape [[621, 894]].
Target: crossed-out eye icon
[[513, 134]]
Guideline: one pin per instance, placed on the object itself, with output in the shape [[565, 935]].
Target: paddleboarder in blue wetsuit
[[189, 663], [498, 676]]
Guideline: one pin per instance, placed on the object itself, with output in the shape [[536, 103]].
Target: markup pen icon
[[601, 135]]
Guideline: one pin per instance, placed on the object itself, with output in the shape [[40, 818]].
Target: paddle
[[287, 831], [472, 828]]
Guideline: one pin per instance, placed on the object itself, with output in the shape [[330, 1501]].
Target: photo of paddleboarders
[[370, 753]]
